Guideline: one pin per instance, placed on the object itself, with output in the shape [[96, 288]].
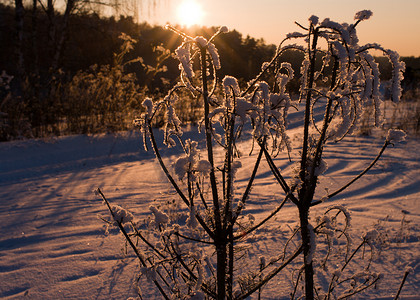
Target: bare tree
[[344, 83], [19, 15]]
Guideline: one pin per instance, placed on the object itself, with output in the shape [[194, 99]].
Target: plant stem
[[124, 232], [306, 191], [307, 253], [311, 71], [401, 285], [209, 144], [173, 182], [219, 235]]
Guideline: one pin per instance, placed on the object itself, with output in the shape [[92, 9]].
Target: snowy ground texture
[[53, 246]]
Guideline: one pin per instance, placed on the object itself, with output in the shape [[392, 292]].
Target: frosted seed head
[[314, 20], [203, 166], [214, 55], [265, 65], [231, 83], [371, 236], [201, 41], [312, 244], [321, 168], [192, 220], [396, 136], [121, 215], [181, 167], [160, 217], [183, 54], [295, 35], [363, 15], [224, 29], [148, 104]]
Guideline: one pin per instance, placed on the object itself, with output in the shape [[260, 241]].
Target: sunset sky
[[395, 24]]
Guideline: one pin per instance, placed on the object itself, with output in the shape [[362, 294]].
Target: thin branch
[[273, 213], [178, 32], [248, 187], [230, 117], [279, 177], [124, 232], [209, 144], [138, 233], [174, 184], [345, 296], [192, 239], [304, 28], [200, 192], [271, 275], [297, 283], [361, 173], [204, 287]]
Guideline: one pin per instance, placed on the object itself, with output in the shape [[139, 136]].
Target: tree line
[[71, 71]]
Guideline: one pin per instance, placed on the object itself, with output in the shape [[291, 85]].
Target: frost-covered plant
[[13, 123], [4, 98], [196, 253], [103, 98]]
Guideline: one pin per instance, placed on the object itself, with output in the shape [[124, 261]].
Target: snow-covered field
[[53, 246]]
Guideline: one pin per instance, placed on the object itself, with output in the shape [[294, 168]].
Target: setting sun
[[189, 13]]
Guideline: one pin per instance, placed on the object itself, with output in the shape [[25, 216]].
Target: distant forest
[[77, 73]]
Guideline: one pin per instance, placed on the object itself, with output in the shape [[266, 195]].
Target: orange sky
[[395, 24]]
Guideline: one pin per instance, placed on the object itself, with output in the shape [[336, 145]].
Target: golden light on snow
[[189, 13]]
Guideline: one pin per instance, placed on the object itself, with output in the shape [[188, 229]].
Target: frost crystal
[[181, 167], [236, 165], [314, 20], [121, 215], [371, 235], [321, 168], [183, 55], [231, 83], [397, 74], [363, 15], [242, 107], [224, 29], [201, 41], [312, 245], [214, 55], [265, 89], [190, 163], [192, 220], [295, 35], [204, 167], [148, 104], [160, 217], [344, 210], [396, 136]]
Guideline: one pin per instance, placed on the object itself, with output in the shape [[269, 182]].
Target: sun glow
[[189, 13]]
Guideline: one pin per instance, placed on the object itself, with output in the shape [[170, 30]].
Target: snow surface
[[53, 245]]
